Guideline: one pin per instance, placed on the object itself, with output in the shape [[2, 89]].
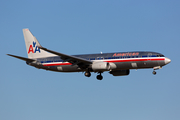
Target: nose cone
[[167, 60]]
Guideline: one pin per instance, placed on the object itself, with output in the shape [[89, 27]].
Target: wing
[[69, 58]]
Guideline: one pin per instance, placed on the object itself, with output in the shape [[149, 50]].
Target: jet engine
[[100, 66], [120, 72]]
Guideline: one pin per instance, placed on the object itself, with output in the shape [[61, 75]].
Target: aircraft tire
[[87, 74], [99, 77]]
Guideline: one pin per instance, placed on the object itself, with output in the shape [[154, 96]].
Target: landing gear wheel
[[99, 77], [154, 72], [87, 74]]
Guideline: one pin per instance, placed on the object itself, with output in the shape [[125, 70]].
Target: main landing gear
[[99, 77], [88, 74]]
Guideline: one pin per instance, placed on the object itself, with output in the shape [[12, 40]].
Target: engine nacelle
[[120, 72], [100, 66]]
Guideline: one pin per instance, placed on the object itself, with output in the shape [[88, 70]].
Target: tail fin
[[31, 46]]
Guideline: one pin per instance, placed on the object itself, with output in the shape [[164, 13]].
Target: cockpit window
[[160, 55]]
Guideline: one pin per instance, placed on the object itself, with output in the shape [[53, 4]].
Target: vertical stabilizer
[[31, 46]]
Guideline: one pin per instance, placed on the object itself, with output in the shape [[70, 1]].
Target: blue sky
[[82, 27]]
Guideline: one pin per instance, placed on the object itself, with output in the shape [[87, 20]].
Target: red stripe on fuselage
[[135, 60]]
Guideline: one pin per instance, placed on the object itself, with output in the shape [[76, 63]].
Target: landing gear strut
[[156, 68], [99, 77], [87, 74]]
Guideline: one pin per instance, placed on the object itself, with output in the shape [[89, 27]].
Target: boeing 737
[[117, 63]]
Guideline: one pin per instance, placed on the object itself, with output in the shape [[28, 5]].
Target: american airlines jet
[[117, 63]]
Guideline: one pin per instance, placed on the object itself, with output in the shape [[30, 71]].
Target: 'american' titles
[[126, 54]]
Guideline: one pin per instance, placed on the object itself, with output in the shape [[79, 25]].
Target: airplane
[[116, 63]]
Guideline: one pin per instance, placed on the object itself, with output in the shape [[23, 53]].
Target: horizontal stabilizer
[[22, 58]]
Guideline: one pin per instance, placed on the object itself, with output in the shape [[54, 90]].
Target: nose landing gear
[[156, 68], [154, 72]]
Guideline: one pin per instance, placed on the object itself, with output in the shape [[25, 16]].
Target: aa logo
[[33, 48]]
